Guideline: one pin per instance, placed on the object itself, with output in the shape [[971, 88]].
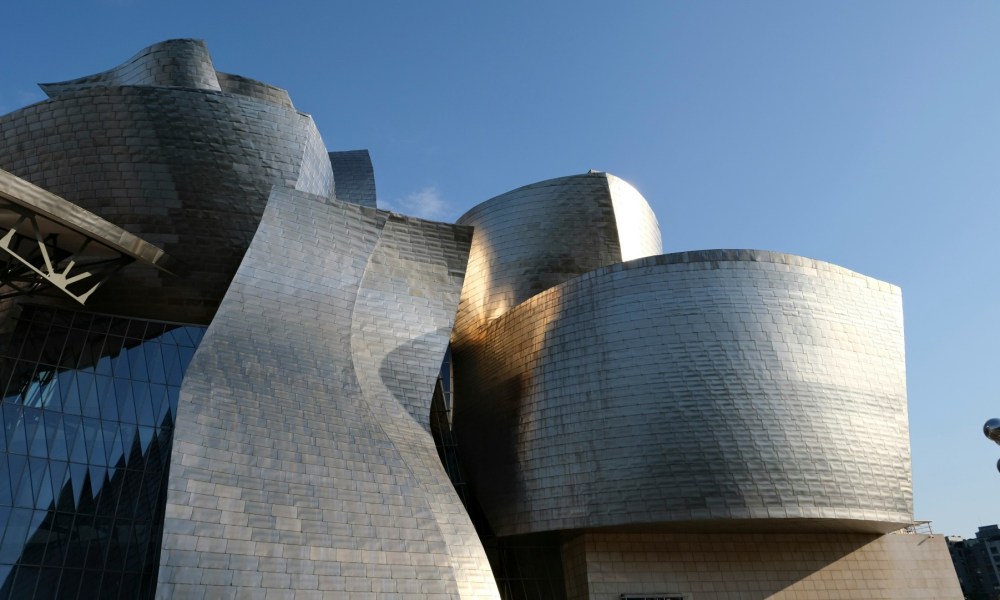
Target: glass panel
[[66, 501], [161, 362], [41, 480], [7, 573], [78, 446], [94, 441], [47, 583], [89, 400], [16, 443], [137, 360], [56, 436], [23, 494], [59, 525], [17, 531], [71, 391], [99, 544], [15, 468], [69, 442], [32, 418], [69, 583], [51, 397], [81, 486], [121, 367], [136, 330], [40, 445], [57, 476], [5, 497], [24, 583]]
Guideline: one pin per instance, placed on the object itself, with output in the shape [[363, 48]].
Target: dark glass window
[[86, 423]]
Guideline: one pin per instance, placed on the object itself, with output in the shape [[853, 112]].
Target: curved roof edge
[[555, 181], [738, 255], [182, 63]]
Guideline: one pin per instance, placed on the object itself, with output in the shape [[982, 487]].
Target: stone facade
[[800, 566]]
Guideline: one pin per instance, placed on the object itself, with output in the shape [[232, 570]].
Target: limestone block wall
[[805, 566], [715, 387], [302, 463]]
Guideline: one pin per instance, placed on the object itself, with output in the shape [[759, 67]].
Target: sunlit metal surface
[[169, 149], [539, 235], [638, 228], [715, 386], [312, 392]]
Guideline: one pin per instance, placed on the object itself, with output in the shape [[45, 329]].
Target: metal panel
[[355, 176], [715, 386], [303, 459], [542, 234], [171, 63], [155, 148]]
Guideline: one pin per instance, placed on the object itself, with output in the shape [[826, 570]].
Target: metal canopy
[[49, 242]]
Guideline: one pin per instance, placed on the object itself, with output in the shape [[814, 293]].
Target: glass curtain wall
[[86, 423]]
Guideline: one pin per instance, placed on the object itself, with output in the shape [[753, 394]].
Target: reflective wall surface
[[542, 234], [175, 152], [726, 386], [304, 460], [354, 177], [88, 413], [713, 391]]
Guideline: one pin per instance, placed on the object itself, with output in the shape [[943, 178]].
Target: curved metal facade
[[605, 396], [542, 234], [161, 149], [354, 177], [303, 458], [720, 386]]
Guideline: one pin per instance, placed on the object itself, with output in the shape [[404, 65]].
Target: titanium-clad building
[[228, 374]]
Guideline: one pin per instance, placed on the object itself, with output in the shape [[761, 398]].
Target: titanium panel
[[171, 63], [752, 388], [355, 176], [638, 229], [302, 462], [542, 234], [157, 149]]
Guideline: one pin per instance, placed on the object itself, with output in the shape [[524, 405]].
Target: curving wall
[[354, 176], [171, 63], [753, 389], [542, 234], [156, 148], [302, 459]]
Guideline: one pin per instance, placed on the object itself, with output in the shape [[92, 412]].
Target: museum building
[[228, 374]]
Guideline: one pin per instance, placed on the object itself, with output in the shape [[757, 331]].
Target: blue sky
[[864, 134]]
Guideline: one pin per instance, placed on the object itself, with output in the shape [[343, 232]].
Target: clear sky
[[862, 133]]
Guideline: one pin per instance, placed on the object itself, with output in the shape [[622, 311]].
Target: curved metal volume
[[161, 149], [542, 234], [354, 177], [302, 458], [715, 386]]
